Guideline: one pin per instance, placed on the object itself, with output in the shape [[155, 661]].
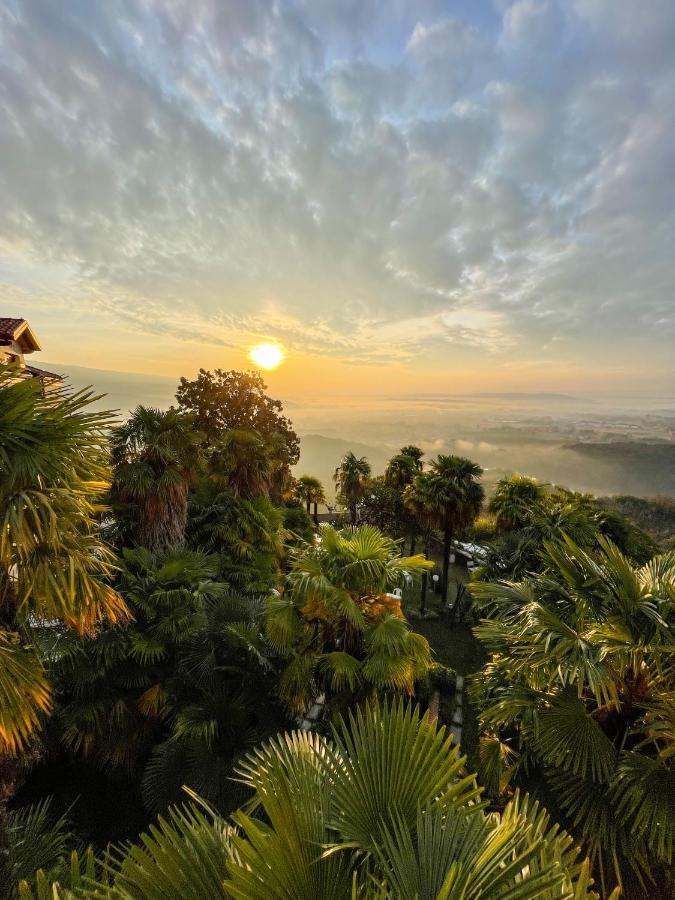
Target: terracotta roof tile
[[8, 327]]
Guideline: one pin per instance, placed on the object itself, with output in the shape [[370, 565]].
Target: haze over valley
[[604, 445]]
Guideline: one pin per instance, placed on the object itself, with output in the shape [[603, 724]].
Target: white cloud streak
[[347, 176]]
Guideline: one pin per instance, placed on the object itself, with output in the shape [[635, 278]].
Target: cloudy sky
[[450, 195]]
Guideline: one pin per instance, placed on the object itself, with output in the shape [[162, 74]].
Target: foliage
[[297, 525], [383, 810], [401, 469], [156, 459], [37, 840], [579, 687], [239, 461], [53, 564], [654, 515], [419, 500], [482, 530], [383, 505], [414, 452], [384, 508], [185, 683], [65, 879], [246, 536], [351, 481], [340, 631], [453, 497], [537, 516], [310, 490], [513, 500], [223, 400]]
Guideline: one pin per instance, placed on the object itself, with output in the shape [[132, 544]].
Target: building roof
[[20, 331], [42, 373]]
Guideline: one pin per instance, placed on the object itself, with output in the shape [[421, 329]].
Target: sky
[[408, 196]]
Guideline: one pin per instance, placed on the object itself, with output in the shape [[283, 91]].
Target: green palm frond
[[66, 879], [497, 764], [384, 811], [412, 766], [283, 624], [580, 681], [25, 693], [185, 855], [342, 670], [592, 814], [569, 738], [298, 685], [659, 720], [644, 794], [291, 777], [53, 475], [37, 839]]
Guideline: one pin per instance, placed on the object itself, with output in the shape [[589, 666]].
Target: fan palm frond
[[25, 693], [37, 840]]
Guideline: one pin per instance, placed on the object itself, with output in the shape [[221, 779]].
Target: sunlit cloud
[[419, 182]]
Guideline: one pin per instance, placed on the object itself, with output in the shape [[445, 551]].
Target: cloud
[[346, 176]]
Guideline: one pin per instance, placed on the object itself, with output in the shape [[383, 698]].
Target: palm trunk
[[413, 543], [309, 506], [455, 606], [423, 597], [316, 514], [352, 513], [164, 519], [434, 706], [447, 540]]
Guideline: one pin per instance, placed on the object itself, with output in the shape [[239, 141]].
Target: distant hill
[[655, 515], [640, 467], [123, 390], [319, 456]]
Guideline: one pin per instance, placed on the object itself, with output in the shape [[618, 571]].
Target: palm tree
[[310, 490], [458, 497], [415, 453], [240, 461], [400, 472], [336, 623], [514, 500], [419, 498], [53, 565], [303, 489], [246, 535], [38, 839], [181, 692], [580, 687], [558, 515], [351, 478], [383, 809], [155, 459]]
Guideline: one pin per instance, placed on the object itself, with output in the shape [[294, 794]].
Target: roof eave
[[25, 331]]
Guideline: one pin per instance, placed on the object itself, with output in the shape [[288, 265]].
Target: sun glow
[[267, 356]]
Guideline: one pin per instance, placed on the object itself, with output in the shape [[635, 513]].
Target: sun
[[267, 356]]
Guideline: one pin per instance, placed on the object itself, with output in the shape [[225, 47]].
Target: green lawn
[[453, 646]]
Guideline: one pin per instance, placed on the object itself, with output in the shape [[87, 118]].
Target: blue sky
[[443, 195]]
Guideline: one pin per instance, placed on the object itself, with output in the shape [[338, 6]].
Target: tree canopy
[[222, 400]]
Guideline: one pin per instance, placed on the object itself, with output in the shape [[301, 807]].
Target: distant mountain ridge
[[320, 455], [641, 467], [123, 390]]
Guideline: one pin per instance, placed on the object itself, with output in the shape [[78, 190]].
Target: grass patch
[[453, 646]]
